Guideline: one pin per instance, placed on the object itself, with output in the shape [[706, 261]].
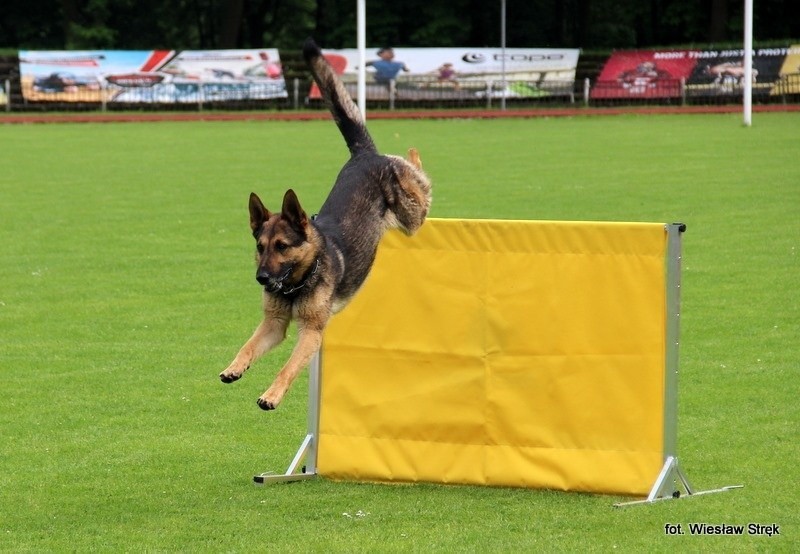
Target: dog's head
[[284, 253]]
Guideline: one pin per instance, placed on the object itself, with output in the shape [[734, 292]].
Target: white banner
[[474, 63]]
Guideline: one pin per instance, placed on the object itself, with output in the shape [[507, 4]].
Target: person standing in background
[[386, 69]]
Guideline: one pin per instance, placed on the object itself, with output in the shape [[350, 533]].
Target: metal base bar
[[666, 485], [292, 473]]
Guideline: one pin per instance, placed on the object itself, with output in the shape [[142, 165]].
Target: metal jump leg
[[304, 464]]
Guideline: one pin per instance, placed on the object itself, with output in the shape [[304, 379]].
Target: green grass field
[[126, 285]]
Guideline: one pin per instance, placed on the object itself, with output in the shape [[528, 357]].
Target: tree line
[[212, 24]]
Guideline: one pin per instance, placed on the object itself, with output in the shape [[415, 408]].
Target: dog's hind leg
[[413, 158], [267, 335], [308, 342], [411, 200]]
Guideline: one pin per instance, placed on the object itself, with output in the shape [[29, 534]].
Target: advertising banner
[[464, 71], [659, 73], [643, 74], [721, 72], [789, 82], [162, 76]]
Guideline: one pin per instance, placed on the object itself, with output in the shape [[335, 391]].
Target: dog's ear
[[293, 212], [258, 213]]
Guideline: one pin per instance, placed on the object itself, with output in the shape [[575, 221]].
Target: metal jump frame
[[671, 479]]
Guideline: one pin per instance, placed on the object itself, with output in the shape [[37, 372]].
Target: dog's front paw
[[226, 377], [266, 404], [270, 399], [230, 375]]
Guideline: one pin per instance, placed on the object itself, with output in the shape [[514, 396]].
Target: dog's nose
[[263, 278], [268, 281]]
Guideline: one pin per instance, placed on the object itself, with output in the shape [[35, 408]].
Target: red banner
[[643, 74]]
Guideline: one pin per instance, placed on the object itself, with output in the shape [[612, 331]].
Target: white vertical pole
[[586, 91], [503, 53], [313, 409], [361, 23], [748, 62], [671, 359]]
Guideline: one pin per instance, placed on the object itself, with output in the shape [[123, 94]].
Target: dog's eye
[[260, 248], [280, 246]]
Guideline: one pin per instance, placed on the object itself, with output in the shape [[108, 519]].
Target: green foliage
[[442, 27], [146, 24], [127, 285]]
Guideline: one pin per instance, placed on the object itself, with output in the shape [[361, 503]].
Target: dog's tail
[[345, 112]]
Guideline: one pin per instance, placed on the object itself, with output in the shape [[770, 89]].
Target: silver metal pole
[[673, 314], [586, 90], [748, 62], [361, 23], [683, 91], [503, 54], [313, 410]]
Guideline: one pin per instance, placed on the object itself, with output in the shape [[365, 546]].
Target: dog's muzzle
[[270, 282]]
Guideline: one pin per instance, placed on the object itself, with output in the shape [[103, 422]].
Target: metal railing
[[405, 93]]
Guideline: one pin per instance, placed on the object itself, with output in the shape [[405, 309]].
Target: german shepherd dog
[[311, 267]]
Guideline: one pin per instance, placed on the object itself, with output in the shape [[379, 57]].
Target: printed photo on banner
[[643, 74], [660, 74], [721, 72], [157, 76], [421, 73]]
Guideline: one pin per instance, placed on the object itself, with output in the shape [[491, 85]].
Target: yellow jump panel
[[510, 353]]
